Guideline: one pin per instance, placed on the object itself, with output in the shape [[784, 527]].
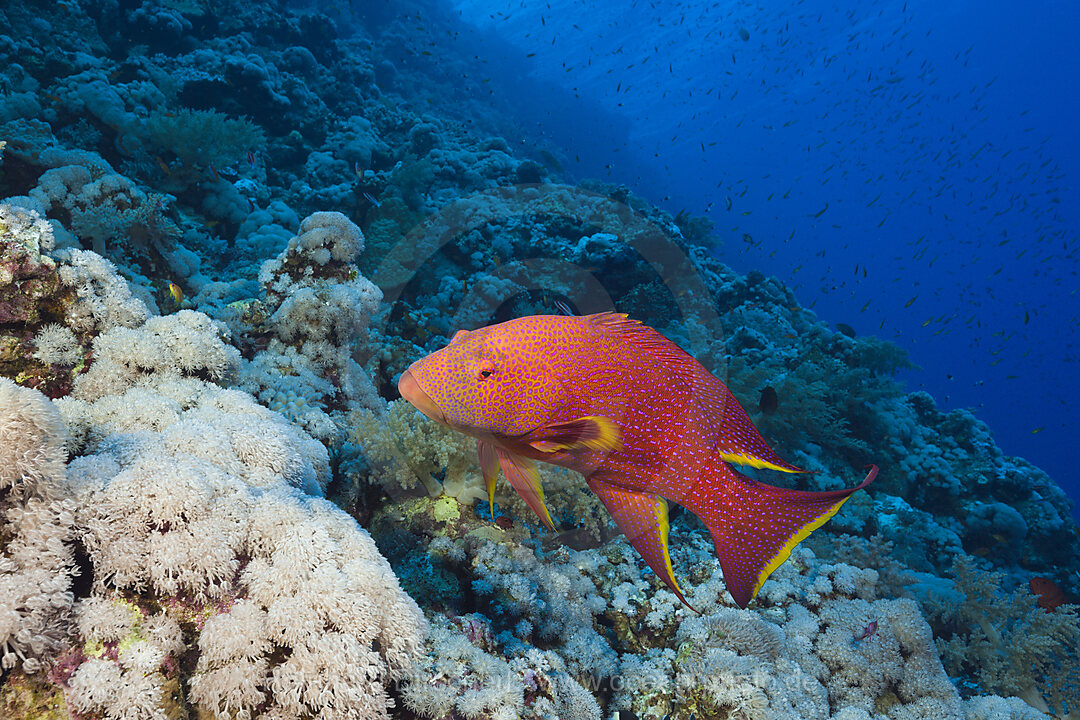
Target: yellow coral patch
[[446, 509]]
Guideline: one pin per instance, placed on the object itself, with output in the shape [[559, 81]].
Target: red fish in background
[[1049, 594], [642, 420]]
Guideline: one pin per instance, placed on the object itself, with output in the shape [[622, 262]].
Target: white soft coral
[[205, 506]]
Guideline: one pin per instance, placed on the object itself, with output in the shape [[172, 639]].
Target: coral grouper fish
[[643, 421]]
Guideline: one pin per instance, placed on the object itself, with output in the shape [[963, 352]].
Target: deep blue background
[[908, 167]]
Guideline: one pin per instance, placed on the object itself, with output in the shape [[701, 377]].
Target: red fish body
[[643, 421]]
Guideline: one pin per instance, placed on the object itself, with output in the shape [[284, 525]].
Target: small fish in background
[[252, 161], [1050, 595], [359, 170], [769, 402], [845, 329], [175, 292], [868, 631], [531, 302], [563, 307], [372, 199]]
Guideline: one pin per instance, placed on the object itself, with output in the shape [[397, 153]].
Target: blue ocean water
[[907, 167]]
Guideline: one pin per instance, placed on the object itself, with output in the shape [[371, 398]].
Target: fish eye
[[487, 369]]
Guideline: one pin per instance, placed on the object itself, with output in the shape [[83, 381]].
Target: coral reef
[[226, 228], [199, 515]]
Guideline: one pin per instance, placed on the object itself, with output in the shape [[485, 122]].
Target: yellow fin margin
[[489, 467], [781, 557], [754, 462], [662, 520], [608, 436]]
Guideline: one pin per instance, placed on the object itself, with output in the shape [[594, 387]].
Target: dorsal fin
[[613, 321], [626, 328]]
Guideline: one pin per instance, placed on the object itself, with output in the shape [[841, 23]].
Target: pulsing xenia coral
[[318, 309], [184, 343], [188, 502], [217, 580], [36, 561]]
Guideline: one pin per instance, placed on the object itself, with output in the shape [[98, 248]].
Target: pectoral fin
[[592, 432], [523, 475], [489, 466], [644, 520]]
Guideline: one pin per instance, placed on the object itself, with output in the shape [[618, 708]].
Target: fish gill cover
[[227, 228]]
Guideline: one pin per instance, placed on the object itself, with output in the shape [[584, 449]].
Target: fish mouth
[[411, 391]]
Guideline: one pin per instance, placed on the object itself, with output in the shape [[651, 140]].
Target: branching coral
[[200, 138], [1009, 645]]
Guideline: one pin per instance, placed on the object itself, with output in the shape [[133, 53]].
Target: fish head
[[490, 381]]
